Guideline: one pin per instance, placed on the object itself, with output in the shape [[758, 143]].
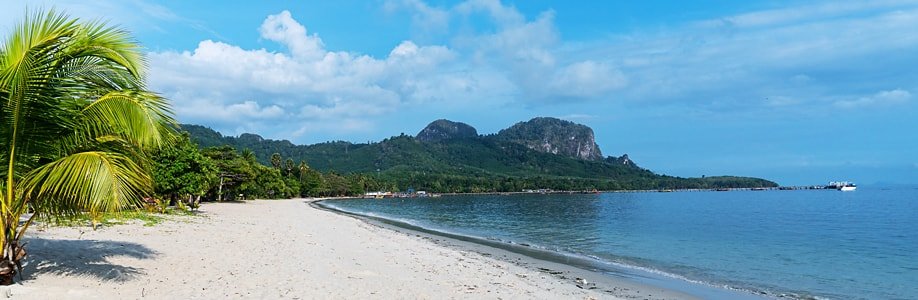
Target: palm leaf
[[97, 181], [75, 122], [143, 118]]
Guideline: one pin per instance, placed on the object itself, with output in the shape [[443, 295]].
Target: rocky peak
[[441, 130], [554, 136], [622, 160], [251, 138]]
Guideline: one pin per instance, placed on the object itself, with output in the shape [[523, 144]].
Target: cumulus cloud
[[306, 83], [221, 83], [527, 52], [775, 59], [284, 29], [880, 99]]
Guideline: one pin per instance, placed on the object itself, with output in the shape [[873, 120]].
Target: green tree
[[235, 171], [312, 183], [182, 170], [301, 170], [249, 156], [288, 167], [276, 160], [76, 123]]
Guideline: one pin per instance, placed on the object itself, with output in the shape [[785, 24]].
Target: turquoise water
[[828, 244]]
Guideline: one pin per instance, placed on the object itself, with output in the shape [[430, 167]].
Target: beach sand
[[275, 249]]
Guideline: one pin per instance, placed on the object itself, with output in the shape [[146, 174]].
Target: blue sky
[[800, 92]]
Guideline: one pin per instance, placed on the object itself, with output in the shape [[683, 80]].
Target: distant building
[[378, 194]]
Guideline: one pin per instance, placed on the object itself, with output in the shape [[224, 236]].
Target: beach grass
[[147, 218]]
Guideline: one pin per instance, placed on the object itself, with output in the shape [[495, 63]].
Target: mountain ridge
[[443, 129], [448, 155], [556, 136]]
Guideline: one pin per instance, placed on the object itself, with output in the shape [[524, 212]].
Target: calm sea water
[[844, 245]]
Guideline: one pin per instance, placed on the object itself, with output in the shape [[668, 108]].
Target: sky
[[799, 92]]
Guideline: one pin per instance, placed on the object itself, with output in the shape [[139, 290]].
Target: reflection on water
[[861, 245]]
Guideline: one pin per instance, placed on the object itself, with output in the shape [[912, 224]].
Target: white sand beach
[[281, 249]]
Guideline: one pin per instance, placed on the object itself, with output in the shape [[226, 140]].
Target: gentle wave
[[608, 266], [801, 244]]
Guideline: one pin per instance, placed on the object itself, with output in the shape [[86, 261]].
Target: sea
[[809, 244]]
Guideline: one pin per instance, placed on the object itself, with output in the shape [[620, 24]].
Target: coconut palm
[[276, 160], [76, 122]]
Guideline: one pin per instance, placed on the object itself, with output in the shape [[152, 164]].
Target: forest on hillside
[[255, 167]]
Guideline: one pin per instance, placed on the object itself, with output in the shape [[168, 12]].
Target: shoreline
[[567, 273], [611, 278], [270, 249]]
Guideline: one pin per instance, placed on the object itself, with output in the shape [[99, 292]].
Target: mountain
[[449, 156], [441, 130], [555, 136]]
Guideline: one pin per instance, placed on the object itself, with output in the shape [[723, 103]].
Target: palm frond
[[142, 118], [75, 122], [98, 39], [30, 118], [95, 181]]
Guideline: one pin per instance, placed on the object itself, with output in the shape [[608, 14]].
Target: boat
[[847, 187], [843, 186]]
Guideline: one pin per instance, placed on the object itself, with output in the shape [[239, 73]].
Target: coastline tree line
[[185, 172]]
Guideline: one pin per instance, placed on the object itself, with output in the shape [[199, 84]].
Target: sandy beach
[[287, 249]]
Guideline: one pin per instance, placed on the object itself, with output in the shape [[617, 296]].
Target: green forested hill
[[471, 163]]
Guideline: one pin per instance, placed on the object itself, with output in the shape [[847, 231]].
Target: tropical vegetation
[[478, 164], [77, 125]]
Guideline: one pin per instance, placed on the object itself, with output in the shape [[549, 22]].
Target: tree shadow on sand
[[82, 258]]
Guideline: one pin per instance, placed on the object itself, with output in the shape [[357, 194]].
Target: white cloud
[[284, 29], [826, 53], [423, 15], [504, 15], [812, 54], [880, 99], [308, 84], [527, 53], [219, 83], [587, 79]]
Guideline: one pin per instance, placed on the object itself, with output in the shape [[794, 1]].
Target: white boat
[[843, 186]]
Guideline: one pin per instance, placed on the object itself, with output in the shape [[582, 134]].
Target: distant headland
[[451, 157]]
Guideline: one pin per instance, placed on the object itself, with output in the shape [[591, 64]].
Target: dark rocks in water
[[442, 130], [556, 136]]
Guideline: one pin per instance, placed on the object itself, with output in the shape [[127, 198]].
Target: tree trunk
[[11, 263]]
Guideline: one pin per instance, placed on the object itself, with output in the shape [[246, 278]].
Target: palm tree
[[276, 160], [76, 123], [302, 168], [288, 167], [249, 156]]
